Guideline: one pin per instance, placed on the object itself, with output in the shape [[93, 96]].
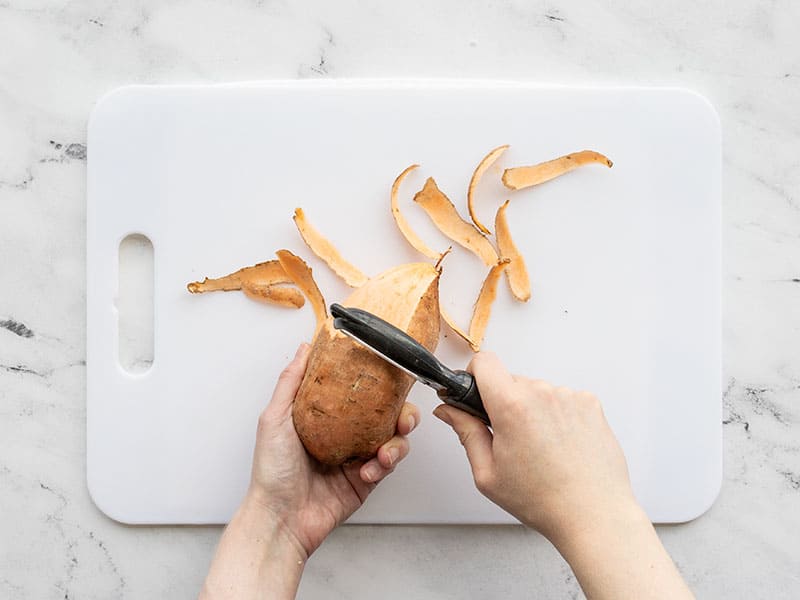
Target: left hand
[[309, 499]]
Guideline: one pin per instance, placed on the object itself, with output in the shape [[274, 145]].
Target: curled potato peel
[[518, 178], [445, 216], [517, 273]]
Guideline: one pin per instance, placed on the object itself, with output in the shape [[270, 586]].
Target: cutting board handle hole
[[135, 304]]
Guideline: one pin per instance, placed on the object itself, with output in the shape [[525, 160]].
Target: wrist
[[258, 514], [257, 557], [616, 553], [619, 518]]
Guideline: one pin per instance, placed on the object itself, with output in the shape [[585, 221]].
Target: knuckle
[[562, 392], [484, 480], [288, 373], [588, 399], [264, 422], [527, 387], [410, 410], [486, 355], [410, 407], [539, 387], [517, 405], [480, 359], [541, 393]]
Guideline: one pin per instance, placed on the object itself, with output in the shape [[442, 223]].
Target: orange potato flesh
[[482, 167], [517, 274], [282, 295], [445, 216], [320, 246], [262, 274], [483, 306], [393, 294], [403, 225], [518, 178], [301, 274]]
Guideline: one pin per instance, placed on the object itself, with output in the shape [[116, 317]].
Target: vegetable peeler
[[456, 388]]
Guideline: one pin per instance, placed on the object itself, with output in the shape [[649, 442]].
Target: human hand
[[551, 460], [307, 498]]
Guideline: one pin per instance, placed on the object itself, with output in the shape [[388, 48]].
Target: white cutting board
[[625, 265]]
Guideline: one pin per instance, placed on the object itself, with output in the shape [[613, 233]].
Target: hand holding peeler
[[456, 388]]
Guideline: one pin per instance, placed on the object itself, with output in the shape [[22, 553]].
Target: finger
[[289, 382], [388, 457], [409, 418], [392, 452], [373, 472], [474, 436], [492, 378]]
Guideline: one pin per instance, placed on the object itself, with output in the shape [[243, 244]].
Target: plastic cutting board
[[625, 265]]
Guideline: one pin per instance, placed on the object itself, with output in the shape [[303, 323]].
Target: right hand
[[552, 461]]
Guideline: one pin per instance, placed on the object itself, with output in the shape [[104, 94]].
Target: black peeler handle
[[469, 399], [456, 388]]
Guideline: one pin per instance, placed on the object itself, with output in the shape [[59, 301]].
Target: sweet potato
[[349, 401]]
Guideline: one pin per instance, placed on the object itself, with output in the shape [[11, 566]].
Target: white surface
[[624, 262], [55, 63]]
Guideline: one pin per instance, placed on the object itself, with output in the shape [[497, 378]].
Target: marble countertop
[[57, 58]]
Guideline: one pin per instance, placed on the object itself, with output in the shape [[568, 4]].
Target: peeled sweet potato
[[349, 401]]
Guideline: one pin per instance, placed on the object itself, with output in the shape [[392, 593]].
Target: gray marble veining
[[56, 59]]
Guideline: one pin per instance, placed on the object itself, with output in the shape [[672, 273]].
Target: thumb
[[289, 382], [474, 436]]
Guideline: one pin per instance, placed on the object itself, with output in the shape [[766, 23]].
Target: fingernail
[[394, 454], [301, 350], [412, 422], [372, 471], [442, 415]]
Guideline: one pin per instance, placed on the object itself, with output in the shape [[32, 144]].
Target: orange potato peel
[[451, 323], [260, 282], [446, 218], [282, 295], [264, 273], [483, 166], [483, 306], [324, 249], [516, 272], [518, 178], [303, 278], [402, 224]]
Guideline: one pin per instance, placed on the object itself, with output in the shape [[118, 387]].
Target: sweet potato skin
[[350, 399]]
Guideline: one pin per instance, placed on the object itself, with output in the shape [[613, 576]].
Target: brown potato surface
[[349, 401]]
